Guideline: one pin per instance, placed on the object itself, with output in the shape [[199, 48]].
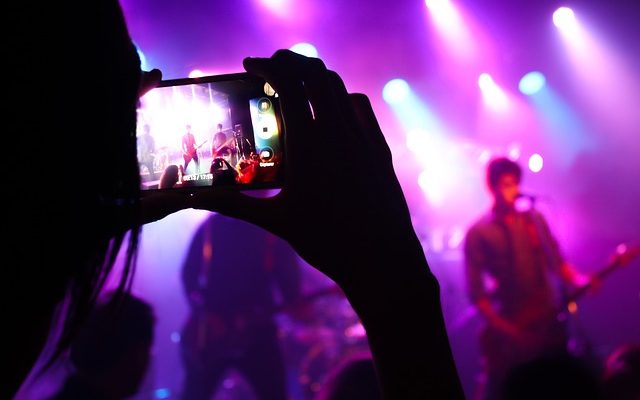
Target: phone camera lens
[[264, 105]]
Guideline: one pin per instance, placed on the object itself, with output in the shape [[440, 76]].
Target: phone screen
[[212, 131]]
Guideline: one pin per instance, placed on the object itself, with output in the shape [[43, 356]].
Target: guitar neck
[[620, 259]]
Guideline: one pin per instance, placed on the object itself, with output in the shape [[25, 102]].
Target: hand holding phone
[[191, 130]]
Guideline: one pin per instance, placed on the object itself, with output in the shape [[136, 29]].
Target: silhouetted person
[[147, 151], [80, 229], [170, 177], [66, 232], [511, 260], [555, 377], [110, 355], [230, 273], [621, 374], [221, 142], [224, 174], [353, 379], [190, 149]]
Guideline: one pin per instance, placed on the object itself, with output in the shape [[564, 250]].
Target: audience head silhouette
[[353, 379], [110, 354], [621, 376], [556, 377]]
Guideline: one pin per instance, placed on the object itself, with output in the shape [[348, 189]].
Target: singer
[[516, 251]]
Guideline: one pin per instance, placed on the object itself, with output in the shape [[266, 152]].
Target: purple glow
[[277, 7], [440, 152], [604, 78]]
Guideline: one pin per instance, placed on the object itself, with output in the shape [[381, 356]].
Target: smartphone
[[208, 132]]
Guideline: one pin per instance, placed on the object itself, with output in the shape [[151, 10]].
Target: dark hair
[[353, 379], [111, 331], [558, 376], [621, 375], [169, 177], [80, 214], [107, 202], [501, 166]]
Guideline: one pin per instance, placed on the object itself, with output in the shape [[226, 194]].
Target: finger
[[314, 75], [346, 109], [327, 96], [368, 123], [149, 80], [258, 211]]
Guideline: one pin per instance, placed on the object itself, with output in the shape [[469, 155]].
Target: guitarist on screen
[[223, 145], [190, 149], [515, 272]]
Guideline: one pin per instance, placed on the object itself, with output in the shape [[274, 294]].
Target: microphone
[[526, 196]]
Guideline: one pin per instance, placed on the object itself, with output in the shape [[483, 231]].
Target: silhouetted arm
[[347, 217]]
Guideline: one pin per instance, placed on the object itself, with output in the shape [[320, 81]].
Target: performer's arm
[[475, 261]]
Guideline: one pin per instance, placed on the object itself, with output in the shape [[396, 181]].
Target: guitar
[[216, 151], [622, 256], [192, 152], [544, 329]]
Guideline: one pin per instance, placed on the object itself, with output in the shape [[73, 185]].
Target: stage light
[[485, 81], [484, 156], [564, 19], [306, 49], [454, 28], [532, 83], [440, 8], [536, 162], [275, 5], [418, 140], [395, 91], [514, 152], [493, 96], [162, 393], [196, 73]]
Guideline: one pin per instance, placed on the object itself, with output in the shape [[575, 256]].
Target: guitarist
[[189, 149], [515, 272], [222, 145], [232, 274], [147, 150]]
